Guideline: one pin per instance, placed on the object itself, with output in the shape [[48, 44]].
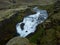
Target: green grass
[[39, 31], [37, 34]]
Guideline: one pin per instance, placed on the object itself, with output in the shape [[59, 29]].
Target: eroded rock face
[[31, 21]]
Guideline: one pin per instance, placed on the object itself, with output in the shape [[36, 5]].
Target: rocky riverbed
[[47, 32]]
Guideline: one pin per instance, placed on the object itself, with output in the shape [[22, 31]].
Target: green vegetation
[[46, 36], [37, 34]]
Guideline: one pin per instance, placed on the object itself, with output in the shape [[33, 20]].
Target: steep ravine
[[8, 26]]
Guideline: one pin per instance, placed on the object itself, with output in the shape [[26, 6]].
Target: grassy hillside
[[48, 33]]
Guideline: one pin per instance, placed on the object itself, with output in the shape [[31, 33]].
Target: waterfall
[[29, 23]]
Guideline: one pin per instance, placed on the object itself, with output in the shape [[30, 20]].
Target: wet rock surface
[[22, 26]]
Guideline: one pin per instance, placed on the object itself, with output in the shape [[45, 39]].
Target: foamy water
[[29, 23]]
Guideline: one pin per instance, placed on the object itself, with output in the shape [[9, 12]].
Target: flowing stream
[[29, 23]]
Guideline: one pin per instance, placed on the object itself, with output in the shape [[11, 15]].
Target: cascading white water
[[29, 23]]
